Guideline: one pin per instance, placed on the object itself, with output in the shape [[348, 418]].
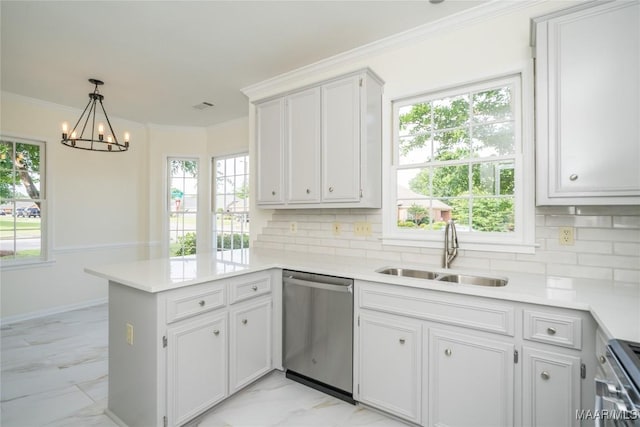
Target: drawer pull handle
[[402, 341], [216, 332], [448, 352], [573, 177], [308, 191], [202, 303], [602, 359], [273, 193], [551, 331], [244, 321], [330, 189], [545, 375], [254, 288]]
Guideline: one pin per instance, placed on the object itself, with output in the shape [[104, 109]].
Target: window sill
[[20, 265]]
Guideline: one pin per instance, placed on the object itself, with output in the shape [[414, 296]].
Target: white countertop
[[615, 306]]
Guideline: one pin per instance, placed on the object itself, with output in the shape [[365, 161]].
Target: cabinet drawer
[[431, 305], [249, 286], [189, 302], [553, 328]]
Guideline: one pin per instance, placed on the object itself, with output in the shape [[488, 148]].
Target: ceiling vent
[[203, 105]]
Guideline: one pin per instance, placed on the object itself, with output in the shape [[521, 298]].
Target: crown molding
[[475, 15]]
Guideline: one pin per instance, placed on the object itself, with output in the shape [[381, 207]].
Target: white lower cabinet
[[551, 388], [440, 359], [470, 380], [197, 366], [389, 363], [250, 346], [192, 348]]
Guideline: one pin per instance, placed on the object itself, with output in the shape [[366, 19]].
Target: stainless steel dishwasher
[[318, 332]]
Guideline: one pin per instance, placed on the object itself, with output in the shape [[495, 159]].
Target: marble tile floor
[[54, 374]]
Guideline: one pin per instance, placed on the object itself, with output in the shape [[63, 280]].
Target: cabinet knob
[[202, 303], [551, 331], [254, 288], [216, 332], [448, 352], [573, 177], [545, 375], [401, 340], [308, 191], [244, 321], [330, 189], [273, 193], [602, 359]]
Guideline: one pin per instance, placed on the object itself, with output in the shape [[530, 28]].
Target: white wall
[[228, 138], [607, 241], [103, 208], [95, 210]]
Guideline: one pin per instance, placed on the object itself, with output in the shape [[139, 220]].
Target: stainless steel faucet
[[450, 243]]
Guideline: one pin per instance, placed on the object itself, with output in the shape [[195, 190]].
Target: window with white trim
[[458, 155], [182, 205], [22, 201], [231, 207]]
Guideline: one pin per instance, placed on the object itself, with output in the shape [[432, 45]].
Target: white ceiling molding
[[468, 17]]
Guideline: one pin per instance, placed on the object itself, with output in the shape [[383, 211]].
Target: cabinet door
[[470, 381], [303, 146], [270, 151], [550, 388], [341, 140], [389, 364], [588, 106], [196, 366], [250, 349]]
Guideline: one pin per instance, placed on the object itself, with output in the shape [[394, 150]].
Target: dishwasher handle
[[318, 285]]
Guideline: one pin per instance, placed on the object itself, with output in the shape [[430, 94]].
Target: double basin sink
[[463, 279]]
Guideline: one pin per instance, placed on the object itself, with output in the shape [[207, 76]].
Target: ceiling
[[159, 59]]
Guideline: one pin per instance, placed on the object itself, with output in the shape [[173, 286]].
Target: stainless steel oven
[[618, 393]]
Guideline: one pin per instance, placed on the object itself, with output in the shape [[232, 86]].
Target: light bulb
[[109, 139], [73, 135], [100, 131], [126, 137], [65, 129]]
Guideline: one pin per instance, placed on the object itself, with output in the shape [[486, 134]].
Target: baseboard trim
[[49, 311], [116, 419]]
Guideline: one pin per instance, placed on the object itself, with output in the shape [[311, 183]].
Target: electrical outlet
[[366, 229], [337, 228], [566, 236], [293, 227], [358, 229], [362, 229], [129, 334]]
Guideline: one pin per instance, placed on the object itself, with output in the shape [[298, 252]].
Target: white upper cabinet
[[270, 151], [341, 140], [303, 148], [331, 137], [588, 105]]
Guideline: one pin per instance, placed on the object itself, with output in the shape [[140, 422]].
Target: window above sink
[[463, 153]]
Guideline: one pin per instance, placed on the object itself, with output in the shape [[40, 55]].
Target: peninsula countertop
[[614, 305]]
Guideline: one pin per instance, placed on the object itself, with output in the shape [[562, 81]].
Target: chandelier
[[76, 138]]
